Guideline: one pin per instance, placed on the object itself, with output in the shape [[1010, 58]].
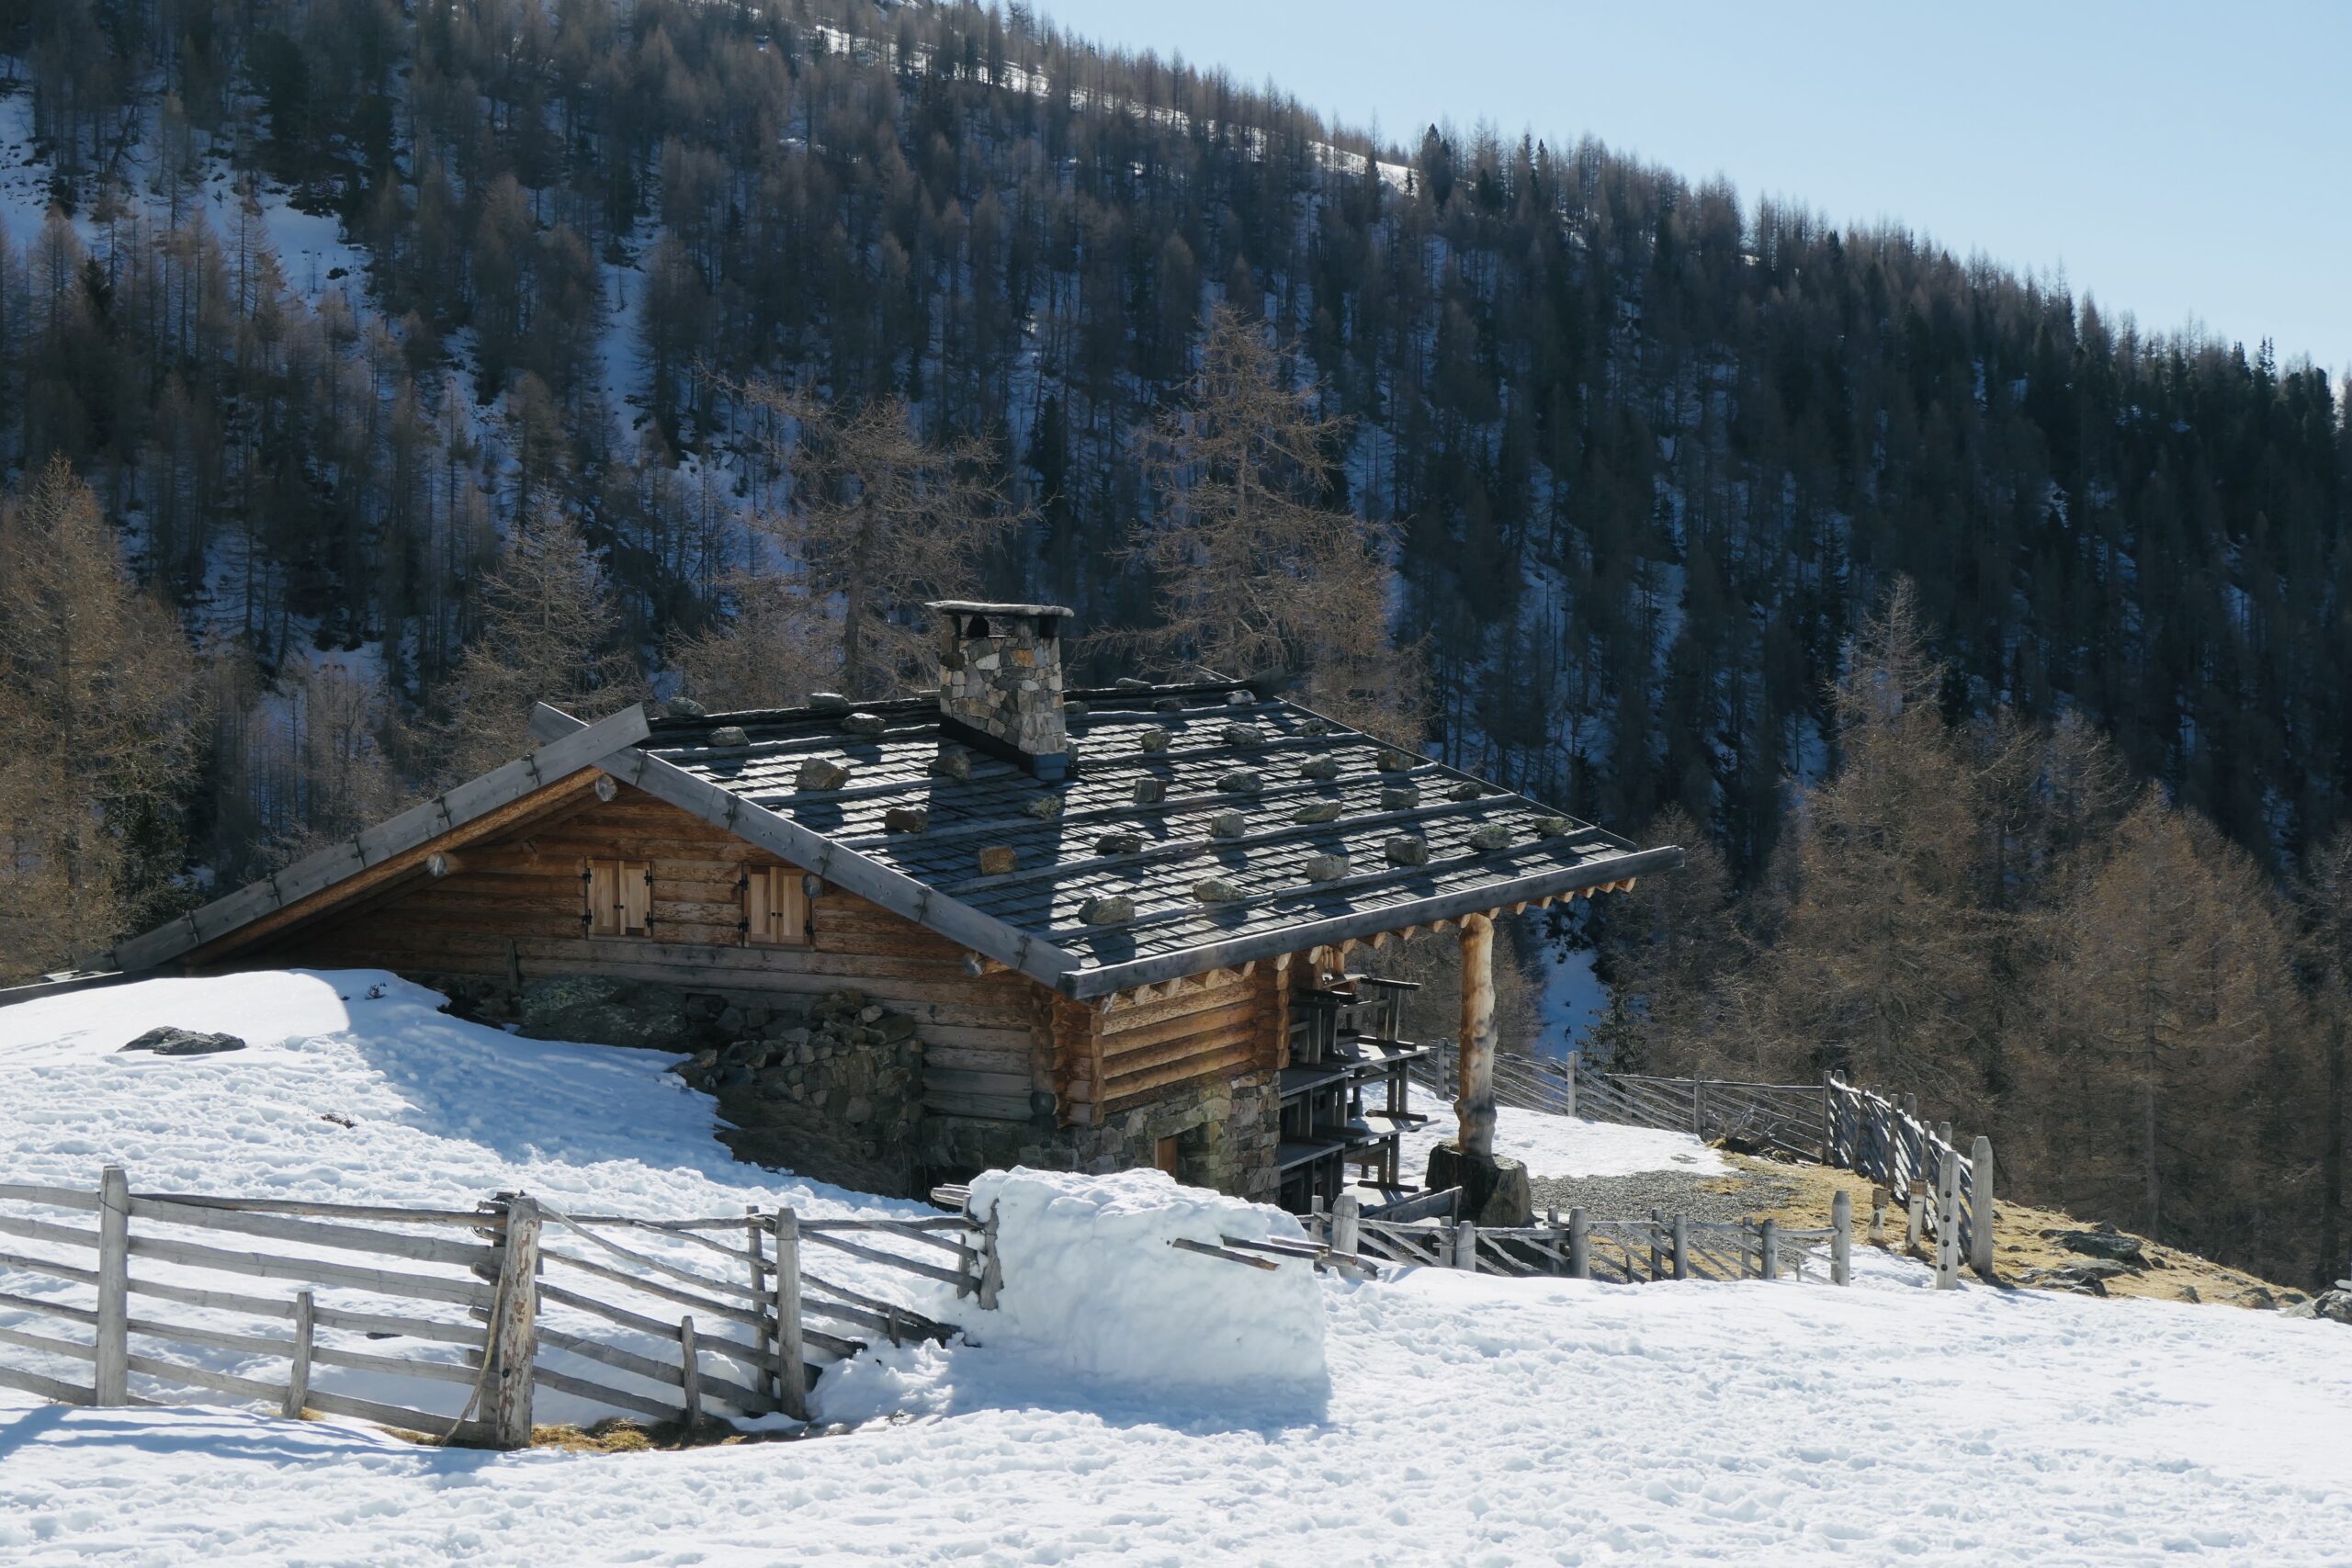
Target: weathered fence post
[[111, 1382], [1465, 1245], [513, 1330], [1915, 1143], [690, 1371], [1657, 1227], [1980, 1207], [1878, 1216], [1682, 1247], [1841, 1238], [1575, 1060], [1828, 1122], [1767, 1250], [1347, 1217], [1699, 1109], [298, 1375], [1915, 1219], [791, 1364], [991, 1270], [756, 1254], [1948, 1222], [1580, 1246]]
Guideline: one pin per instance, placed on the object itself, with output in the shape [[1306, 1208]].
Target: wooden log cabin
[[1003, 923]]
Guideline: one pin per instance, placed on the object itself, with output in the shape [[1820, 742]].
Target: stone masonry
[[1001, 678], [1226, 1131]]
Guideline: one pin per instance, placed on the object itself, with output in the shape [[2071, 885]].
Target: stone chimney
[[1000, 682]]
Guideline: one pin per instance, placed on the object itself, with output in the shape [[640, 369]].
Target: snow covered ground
[[1563, 1145], [1468, 1419]]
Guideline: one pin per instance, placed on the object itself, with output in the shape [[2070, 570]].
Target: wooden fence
[[1425, 1232], [489, 1304], [1919, 1169]]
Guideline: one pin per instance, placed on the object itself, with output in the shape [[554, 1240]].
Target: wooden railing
[[480, 1301], [1580, 1248], [1831, 1123]]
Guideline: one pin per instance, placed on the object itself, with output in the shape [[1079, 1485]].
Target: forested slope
[[359, 317], [1650, 449]]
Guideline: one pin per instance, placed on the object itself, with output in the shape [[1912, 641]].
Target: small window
[[1168, 1157], [619, 897], [775, 907]]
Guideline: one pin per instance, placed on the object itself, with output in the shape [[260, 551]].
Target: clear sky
[[2177, 160]]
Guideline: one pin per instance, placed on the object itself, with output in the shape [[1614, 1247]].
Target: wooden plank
[[477, 1218], [205, 1377], [467, 1373], [329, 1401], [317, 1271], [56, 1197], [350, 1238], [55, 1270], [44, 1230], [603, 1394], [48, 1388], [875, 1255], [48, 1345], [654, 1288], [49, 1308]]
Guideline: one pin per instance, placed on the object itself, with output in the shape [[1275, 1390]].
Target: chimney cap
[[981, 607]]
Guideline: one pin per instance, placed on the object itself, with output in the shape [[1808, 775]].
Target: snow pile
[[1092, 1284], [1569, 1147]]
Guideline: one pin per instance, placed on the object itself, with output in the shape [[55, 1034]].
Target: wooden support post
[[1580, 1246], [1980, 1208], [792, 1374], [690, 1371], [1465, 1245], [1879, 1199], [298, 1376], [1347, 1214], [1948, 1222], [1828, 1122], [1682, 1247], [113, 1348], [1841, 1238], [1767, 1250], [1699, 1109], [1575, 1064], [514, 1329], [1657, 1260], [1476, 1105], [1914, 1219]]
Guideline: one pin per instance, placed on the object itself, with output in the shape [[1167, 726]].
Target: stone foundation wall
[[833, 1091], [1225, 1129]]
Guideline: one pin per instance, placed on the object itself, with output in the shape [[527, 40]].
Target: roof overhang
[[1087, 983]]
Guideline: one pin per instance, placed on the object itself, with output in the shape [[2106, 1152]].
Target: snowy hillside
[[1468, 1419]]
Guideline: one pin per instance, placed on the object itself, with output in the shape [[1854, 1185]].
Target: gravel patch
[[1671, 1192]]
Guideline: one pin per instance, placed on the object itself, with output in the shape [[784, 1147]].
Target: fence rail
[[1581, 1247], [1940, 1191], [462, 1311]]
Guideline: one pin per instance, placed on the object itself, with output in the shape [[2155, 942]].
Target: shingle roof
[[1222, 871], [1219, 741]]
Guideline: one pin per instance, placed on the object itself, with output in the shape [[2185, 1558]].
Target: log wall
[[511, 909]]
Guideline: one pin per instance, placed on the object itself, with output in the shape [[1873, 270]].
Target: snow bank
[[1092, 1284]]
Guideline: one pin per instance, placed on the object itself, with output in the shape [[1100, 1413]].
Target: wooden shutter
[[790, 901], [775, 908], [636, 897], [604, 897], [756, 882]]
